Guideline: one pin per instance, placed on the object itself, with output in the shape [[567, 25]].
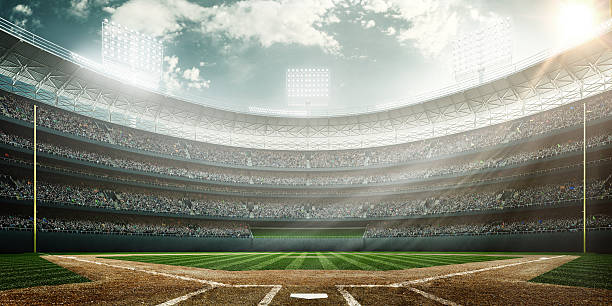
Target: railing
[[589, 229], [491, 75]]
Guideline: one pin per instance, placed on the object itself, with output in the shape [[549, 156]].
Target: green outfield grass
[[592, 270], [29, 270], [308, 233], [309, 260]]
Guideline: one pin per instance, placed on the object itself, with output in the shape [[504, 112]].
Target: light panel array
[[483, 49], [308, 82], [131, 55]]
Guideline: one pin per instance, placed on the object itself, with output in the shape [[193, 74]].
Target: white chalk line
[[424, 280], [268, 298], [184, 297], [265, 301], [351, 300], [433, 297]]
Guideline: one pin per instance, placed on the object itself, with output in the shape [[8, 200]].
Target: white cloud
[[170, 77], [174, 78], [266, 22], [369, 24], [390, 31], [109, 9], [160, 18], [270, 22], [430, 24], [79, 8], [23, 9], [20, 16], [376, 6]]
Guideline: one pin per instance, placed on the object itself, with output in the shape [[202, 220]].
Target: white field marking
[[424, 280], [265, 301], [433, 297], [427, 279], [268, 298], [211, 283], [309, 296], [184, 297], [350, 300]]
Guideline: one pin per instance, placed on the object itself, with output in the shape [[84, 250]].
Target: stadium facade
[[490, 165]]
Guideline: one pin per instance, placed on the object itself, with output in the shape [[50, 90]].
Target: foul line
[[264, 302], [424, 280], [350, 300]]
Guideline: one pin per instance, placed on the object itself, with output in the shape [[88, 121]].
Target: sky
[[236, 53]]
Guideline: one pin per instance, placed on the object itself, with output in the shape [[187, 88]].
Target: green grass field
[[309, 260], [592, 270], [29, 270], [307, 233]]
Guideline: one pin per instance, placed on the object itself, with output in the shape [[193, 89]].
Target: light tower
[[483, 49], [131, 55], [307, 87]]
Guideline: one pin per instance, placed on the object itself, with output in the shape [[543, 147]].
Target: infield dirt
[[114, 285]]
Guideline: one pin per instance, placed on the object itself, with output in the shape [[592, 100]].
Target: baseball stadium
[[314, 152]]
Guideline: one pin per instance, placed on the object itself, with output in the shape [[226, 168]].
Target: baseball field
[[274, 278]]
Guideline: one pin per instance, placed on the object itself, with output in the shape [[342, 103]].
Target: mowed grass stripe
[[203, 262], [592, 270], [361, 265], [182, 260], [381, 264], [270, 263], [422, 261], [310, 260], [311, 264], [221, 261], [245, 262], [296, 263], [326, 263], [406, 261], [29, 270]]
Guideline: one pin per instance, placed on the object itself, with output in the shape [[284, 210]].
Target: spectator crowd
[[565, 116], [450, 201], [397, 229], [199, 229], [452, 167], [230, 229]]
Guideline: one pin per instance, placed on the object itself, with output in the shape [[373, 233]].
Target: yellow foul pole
[[584, 178], [34, 178]]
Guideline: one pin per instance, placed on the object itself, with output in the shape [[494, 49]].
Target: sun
[[576, 20]]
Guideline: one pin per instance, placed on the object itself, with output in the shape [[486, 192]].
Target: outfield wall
[[21, 241]]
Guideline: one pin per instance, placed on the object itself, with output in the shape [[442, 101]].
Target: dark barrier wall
[[16, 241]]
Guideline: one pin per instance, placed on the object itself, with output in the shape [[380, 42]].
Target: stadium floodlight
[[486, 48], [131, 55], [307, 86]]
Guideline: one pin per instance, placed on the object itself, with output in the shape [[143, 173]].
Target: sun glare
[[576, 20]]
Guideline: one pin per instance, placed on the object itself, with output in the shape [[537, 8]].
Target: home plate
[[309, 296]]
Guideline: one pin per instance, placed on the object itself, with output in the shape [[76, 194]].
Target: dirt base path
[[125, 282]]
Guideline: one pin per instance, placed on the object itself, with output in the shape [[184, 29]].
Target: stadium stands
[[91, 164]]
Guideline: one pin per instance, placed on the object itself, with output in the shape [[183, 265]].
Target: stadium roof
[[35, 68]]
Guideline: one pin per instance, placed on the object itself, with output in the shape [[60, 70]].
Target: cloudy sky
[[237, 52]]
